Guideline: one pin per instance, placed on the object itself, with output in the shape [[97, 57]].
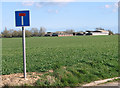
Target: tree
[[27, 33], [70, 31], [6, 33], [99, 29], [15, 33], [110, 32], [35, 32], [19, 33], [42, 31], [11, 31], [0, 35]]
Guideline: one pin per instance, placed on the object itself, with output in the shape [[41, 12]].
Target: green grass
[[86, 58]]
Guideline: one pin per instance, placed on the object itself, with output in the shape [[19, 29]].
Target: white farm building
[[97, 32]]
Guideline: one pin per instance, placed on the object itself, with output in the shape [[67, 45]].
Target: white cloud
[[38, 5], [56, 11], [28, 3], [53, 11], [107, 6], [63, 0], [113, 7], [116, 5], [114, 10], [46, 3], [42, 4]]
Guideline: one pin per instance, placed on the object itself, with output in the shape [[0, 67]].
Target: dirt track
[[32, 77], [110, 84], [101, 82], [17, 79]]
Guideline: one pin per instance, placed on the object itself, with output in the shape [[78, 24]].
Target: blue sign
[[22, 18]]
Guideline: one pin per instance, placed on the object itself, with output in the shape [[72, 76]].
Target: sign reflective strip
[[22, 14], [22, 19]]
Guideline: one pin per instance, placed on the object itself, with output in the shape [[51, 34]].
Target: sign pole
[[22, 19], [24, 51]]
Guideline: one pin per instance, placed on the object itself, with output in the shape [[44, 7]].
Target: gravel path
[[101, 82], [110, 84], [32, 77], [17, 79]]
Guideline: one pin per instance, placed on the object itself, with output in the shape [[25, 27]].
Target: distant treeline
[[34, 32], [18, 33]]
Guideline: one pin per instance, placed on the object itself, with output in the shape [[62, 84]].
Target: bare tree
[[11, 31], [70, 31], [42, 31], [35, 32], [6, 33], [0, 35], [15, 33], [99, 29], [28, 33], [19, 33], [110, 32]]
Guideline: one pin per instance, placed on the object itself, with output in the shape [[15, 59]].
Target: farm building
[[60, 35], [63, 33], [78, 33], [48, 34], [60, 32], [97, 32]]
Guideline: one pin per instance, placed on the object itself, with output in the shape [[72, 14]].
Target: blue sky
[[59, 16]]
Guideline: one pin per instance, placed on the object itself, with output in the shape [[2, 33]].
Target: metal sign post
[[24, 51], [22, 19]]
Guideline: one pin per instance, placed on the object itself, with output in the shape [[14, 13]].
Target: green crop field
[[74, 59]]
